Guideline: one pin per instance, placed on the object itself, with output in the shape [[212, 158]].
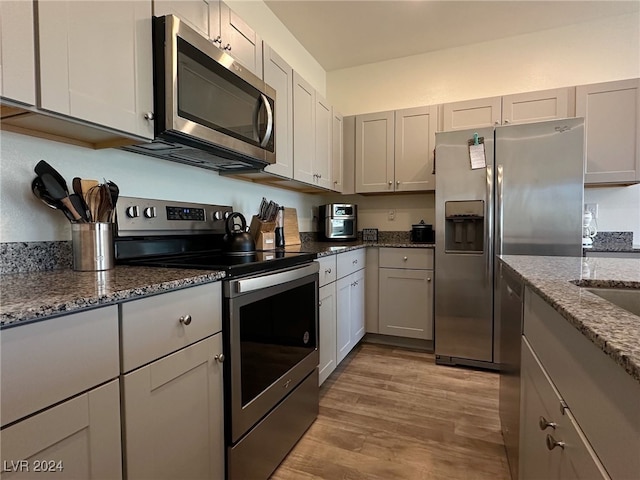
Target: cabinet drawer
[[46, 362], [412, 258], [349, 262], [328, 271], [152, 327]]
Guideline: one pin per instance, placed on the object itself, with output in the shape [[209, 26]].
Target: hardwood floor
[[388, 413]]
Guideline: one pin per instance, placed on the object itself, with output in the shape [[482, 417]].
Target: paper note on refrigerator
[[476, 155]]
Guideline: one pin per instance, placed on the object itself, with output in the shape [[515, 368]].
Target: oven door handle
[[265, 281]]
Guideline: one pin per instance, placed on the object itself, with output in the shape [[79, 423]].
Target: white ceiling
[[345, 33]]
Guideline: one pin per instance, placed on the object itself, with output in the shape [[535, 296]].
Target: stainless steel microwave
[[210, 111]]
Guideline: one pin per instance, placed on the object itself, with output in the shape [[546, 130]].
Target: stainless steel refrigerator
[[527, 200]]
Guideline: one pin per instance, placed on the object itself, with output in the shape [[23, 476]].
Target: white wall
[[604, 50], [608, 49], [23, 218]]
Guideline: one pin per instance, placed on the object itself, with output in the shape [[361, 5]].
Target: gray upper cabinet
[[415, 139], [612, 131], [81, 45], [510, 109], [279, 75], [17, 52], [194, 13], [394, 150], [484, 112], [237, 38]]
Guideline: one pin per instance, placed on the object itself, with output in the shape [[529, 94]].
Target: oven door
[[272, 325], [205, 94]]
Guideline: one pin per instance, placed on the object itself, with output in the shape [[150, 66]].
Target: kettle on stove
[[237, 239]]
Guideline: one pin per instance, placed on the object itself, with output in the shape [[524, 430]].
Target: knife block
[[263, 234]]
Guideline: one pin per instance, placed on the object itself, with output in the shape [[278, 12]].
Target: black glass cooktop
[[234, 264]]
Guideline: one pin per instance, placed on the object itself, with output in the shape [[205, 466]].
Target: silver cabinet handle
[[397, 182], [355, 262], [553, 443], [319, 303], [543, 423], [327, 271], [428, 279], [405, 258], [390, 183], [219, 357], [218, 39], [227, 47], [319, 175], [506, 121], [185, 319], [148, 116]]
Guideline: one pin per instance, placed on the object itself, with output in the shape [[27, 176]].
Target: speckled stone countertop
[[613, 329], [34, 295], [324, 249]]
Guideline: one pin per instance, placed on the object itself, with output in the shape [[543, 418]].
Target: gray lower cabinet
[[173, 385], [61, 398], [327, 317], [350, 288], [591, 401], [406, 292]]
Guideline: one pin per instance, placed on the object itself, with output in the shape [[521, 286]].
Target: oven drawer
[[349, 262], [327, 271], [156, 326], [411, 258]]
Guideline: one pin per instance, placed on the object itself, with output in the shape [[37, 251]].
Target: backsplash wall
[[23, 218], [618, 209]]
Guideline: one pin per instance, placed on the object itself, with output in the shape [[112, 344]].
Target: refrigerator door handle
[[499, 208], [489, 222]]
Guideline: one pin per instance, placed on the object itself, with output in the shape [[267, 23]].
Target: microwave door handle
[[269, 132]]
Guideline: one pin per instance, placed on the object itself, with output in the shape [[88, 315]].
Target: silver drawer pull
[[405, 258], [185, 319], [553, 443], [543, 423], [428, 279], [219, 358]]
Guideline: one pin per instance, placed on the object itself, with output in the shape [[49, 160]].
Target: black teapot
[[237, 239]]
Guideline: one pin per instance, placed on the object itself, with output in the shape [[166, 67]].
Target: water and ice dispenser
[[464, 226]]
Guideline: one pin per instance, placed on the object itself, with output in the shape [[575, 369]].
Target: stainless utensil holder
[[92, 246]]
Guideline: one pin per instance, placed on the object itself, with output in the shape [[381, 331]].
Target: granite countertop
[[612, 329], [34, 295], [324, 249]]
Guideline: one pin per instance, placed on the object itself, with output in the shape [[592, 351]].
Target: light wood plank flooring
[[389, 413]]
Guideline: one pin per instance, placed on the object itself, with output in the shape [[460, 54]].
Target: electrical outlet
[[593, 208], [392, 215]]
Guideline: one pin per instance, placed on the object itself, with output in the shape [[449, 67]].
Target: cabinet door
[[406, 303], [612, 131], [538, 106], [79, 438], [173, 415], [374, 152], [240, 40], [337, 152], [415, 140], [96, 63], [304, 129], [484, 112], [322, 159], [17, 52], [357, 306], [215, 33], [344, 339], [327, 327], [279, 75], [194, 13]]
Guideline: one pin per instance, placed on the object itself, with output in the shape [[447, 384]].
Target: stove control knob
[[133, 211], [226, 215], [217, 215], [150, 212]]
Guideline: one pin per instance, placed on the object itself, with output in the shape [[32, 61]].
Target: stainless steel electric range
[[270, 324]]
